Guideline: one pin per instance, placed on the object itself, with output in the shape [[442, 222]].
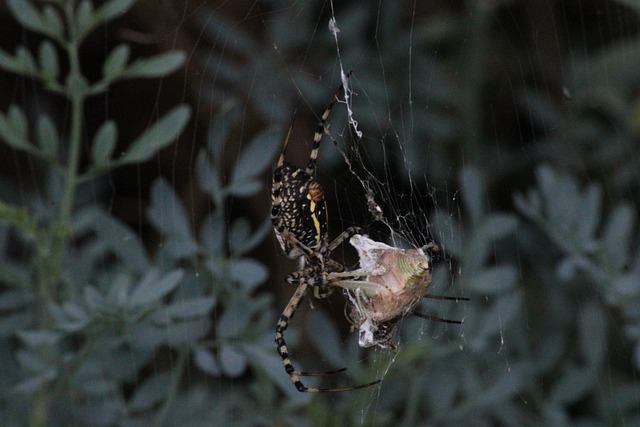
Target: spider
[[299, 217]]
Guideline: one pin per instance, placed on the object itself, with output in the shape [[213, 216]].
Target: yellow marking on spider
[[314, 217]]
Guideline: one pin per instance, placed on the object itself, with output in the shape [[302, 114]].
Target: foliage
[[537, 220], [94, 329]]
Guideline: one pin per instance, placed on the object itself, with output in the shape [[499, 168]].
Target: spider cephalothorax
[[299, 217]]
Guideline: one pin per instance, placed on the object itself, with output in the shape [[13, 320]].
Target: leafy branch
[[67, 23]]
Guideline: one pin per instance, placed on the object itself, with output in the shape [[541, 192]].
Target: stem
[[77, 117], [176, 376], [51, 245]]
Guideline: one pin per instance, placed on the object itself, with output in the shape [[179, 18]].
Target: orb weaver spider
[[299, 217]]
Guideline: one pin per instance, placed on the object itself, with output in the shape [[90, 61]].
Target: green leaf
[[587, 216], [238, 234], [186, 333], [112, 9], [47, 136], [28, 16], [232, 362], [75, 311], [193, 307], [150, 392], [39, 338], [158, 136], [108, 410], [241, 240], [14, 300], [84, 18], [48, 58], [9, 63], [473, 189], [153, 287], [26, 61], [31, 362], [168, 216], [625, 288], [617, 235], [248, 272], [146, 337], [212, 234], [87, 19], [31, 385], [18, 121], [271, 364], [93, 299], [116, 61], [253, 161], [13, 130], [10, 323], [15, 275], [156, 66], [20, 218], [234, 320], [104, 143], [592, 334], [205, 361], [53, 22], [572, 383], [494, 280], [209, 179], [176, 248], [245, 188], [498, 225], [116, 236], [166, 212], [119, 290], [448, 231], [96, 388], [219, 129], [326, 337], [62, 320]]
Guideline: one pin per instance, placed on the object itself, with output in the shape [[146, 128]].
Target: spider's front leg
[[345, 235]]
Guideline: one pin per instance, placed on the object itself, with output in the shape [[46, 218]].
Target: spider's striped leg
[[293, 242], [346, 234], [320, 128], [281, 346], [436, 319], [315, 277], [334, 266], [440, 319], [446, 298]]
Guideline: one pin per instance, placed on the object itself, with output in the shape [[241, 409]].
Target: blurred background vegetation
[[140, 282]]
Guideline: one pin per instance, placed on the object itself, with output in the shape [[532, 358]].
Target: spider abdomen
[[299, 209]]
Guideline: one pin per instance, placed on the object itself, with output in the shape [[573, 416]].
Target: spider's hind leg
[[283, 351]]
